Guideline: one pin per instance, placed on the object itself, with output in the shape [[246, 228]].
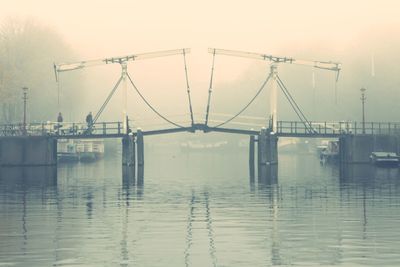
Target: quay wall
[[28, 151], [358, 148]]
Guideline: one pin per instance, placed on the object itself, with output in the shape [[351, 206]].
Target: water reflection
[[42, 176], [128, 176], [97, 214], [199, 211], [368, 175], [268, 175], [17, 185]]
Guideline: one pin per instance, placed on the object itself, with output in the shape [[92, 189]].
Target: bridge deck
[[116, 129]]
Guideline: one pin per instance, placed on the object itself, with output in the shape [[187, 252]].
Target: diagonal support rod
[[188, 88], [107, 100], [210, 89], [296, 108]]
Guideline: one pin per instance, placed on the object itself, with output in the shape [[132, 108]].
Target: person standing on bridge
[[59, 118], [89, 119], [59, 121]]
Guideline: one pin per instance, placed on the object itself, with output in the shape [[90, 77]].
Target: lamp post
[[25, 92], [363, 98]]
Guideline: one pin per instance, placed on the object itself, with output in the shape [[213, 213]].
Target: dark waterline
[[200, 210]]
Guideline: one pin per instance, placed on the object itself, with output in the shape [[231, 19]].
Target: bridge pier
[[128, 151], [140, 156], [131, 154], [358, 148], [28, 151], [251, 158], [267, 152]]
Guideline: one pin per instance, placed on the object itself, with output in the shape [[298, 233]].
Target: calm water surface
[[196, 210]]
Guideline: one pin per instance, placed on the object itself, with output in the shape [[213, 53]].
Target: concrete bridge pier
[[358, 148], [28, 151], [267, 153]]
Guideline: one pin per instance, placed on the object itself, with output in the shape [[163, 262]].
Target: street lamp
[[363, 98], [25, 92]]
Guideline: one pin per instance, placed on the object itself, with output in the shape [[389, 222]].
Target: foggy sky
[[335, 30]]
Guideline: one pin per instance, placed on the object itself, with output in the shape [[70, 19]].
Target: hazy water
[[196, 210]]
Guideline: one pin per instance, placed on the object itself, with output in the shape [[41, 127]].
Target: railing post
[[372, 127], [119, 127], [295, 127], [379, 127], [325, 127], [291, 127], [104, 128], [389, 127], [355, 127]]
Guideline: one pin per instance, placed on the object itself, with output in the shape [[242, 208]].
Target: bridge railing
[[62, 129], [337, 128]]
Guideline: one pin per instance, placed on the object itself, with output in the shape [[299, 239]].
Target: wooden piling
[[128, 151], [267, 154], [140, 155], [251, 158], [262, 154]]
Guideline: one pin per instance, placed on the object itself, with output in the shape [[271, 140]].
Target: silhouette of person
[[60, 117], [59, 121], [89, 119]]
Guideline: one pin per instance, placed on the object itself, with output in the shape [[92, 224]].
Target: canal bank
[[28, 151]]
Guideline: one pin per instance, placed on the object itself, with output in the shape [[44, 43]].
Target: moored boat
[[90, 149], [66, 151], [330, 152], [384, 158]]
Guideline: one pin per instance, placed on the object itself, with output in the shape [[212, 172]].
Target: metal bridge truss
[[114, 129]]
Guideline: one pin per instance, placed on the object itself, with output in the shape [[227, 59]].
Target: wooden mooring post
[[251, 158], [140, 156]]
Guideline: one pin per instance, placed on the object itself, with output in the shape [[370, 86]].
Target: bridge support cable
[[210, 89], [247, 105], [107, 100], [150, 106], [296, 108], [188, 88]]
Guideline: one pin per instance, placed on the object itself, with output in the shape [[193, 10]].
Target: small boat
[[90, 149], [384, 158], [67, 151], [330, 152]]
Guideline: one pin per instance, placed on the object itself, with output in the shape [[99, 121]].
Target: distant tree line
[[27, 52]]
